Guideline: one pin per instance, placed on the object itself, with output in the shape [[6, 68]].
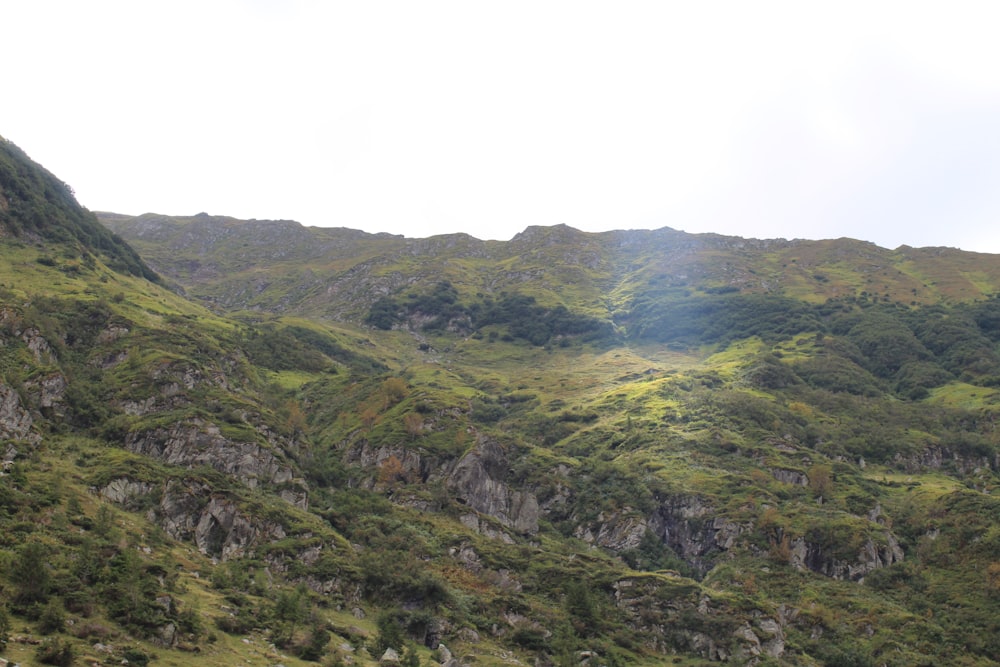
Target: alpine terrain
[[246, 442]]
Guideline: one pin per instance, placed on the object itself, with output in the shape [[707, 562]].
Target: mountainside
[[569, 448], [283, 267], [37, 207]]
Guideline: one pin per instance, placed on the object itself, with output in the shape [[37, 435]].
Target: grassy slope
[[621, 429]]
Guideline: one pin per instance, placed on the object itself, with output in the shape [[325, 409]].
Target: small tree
[[993, 578], [53, 618], [411, 658], [290, 609], [315, 645], [821, 480], [368, 418], [393, 391], [390, 635], [390, 472], [295, 421], [104, 523], [414, 424], [30, 574], [4, 626], [55, 652]]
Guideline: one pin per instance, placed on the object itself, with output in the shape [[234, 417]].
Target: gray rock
[[218, 528], [38, 346], [124, 491], [48, 392], [197, 442], [478, 481], [796, 477], [871, 556], [168, 635], [15, 420]]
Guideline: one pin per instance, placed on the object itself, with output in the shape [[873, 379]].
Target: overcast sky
[[873, 120]]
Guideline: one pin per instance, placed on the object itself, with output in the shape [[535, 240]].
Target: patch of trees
[[300, 348], [523, 318], [865, 349], [440, 305], [719, 318], [526, 320], [41, 205]]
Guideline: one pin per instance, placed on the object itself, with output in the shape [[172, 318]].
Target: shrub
[[4, 626], [136, 657], [55, 651], [53, 618]]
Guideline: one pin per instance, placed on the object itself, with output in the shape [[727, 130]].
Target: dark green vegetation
[[36, 206], [517, 314], [650, 446]]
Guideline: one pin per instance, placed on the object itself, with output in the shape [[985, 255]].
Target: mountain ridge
[[337, 274], [570, 448]]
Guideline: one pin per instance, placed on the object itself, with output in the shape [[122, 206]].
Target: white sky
[[873, 120]]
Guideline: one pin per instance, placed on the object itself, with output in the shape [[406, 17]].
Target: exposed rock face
[[112, 333], [871, 556], [48, 392], [618, 531], [686, 524], [658, 617], [937, 458], [218, 527], [125, 491], [795, 477], [38, 346], [413, 467], [15, 420], [389, 658], [196, 442], [477, 481], [694, 531]]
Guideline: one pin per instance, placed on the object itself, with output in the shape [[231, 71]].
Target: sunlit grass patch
[[964, 396]]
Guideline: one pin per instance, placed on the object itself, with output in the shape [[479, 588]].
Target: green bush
[[55, 651]]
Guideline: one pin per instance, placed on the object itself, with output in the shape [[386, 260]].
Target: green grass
[[628, 430]]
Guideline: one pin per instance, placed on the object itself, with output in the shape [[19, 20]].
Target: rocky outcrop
[[190, 512], [946, 458], [618, 531], [173, 377], [412, 466], [111, 333], [503, 579], [698, 535], [686, 524], [125, 491], [694, 530], [871, 556], [15, 421], [477, 480], [48, 394], [794, 477], [38, 346], [196, 442], [673, 616]]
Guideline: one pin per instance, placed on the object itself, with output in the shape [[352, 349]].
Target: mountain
[[37, 207], [267, 443], [283, 267]]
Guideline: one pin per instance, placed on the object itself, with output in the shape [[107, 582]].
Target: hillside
[[611, 449], [283, 267]]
